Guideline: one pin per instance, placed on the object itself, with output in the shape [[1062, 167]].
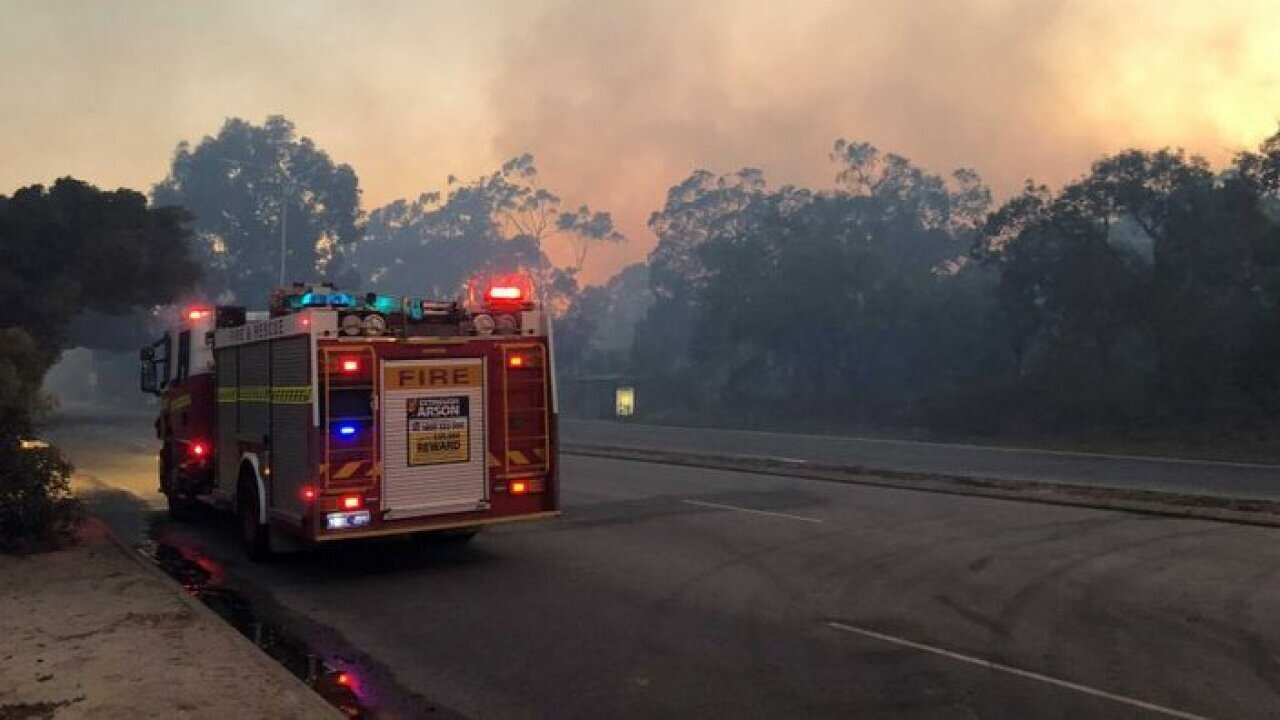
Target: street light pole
[[286, 189], [284, 227]]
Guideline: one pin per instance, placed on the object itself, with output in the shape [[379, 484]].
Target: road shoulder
[[1217, 508], [91, 631]]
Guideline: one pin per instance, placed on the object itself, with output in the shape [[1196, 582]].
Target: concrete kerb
[[1239, 511], [321, 708]]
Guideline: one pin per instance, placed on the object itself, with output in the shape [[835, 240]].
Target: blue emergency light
[[315, 299], [385, 304]]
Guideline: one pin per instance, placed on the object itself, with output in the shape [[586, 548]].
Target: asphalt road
[[1244, 480], [671, 591]]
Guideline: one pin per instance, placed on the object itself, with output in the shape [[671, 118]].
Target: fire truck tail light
[[351, 502], [525, 486], [198, 449], [515, 361], [350, 365], [197, 313], [308, 493]]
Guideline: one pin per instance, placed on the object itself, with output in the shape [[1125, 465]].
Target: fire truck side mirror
[[147, 381]]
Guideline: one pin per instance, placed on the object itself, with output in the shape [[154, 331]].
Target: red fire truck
[[336, 416]]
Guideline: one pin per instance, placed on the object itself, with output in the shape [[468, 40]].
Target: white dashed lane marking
[[753, 511], [1123, 699]]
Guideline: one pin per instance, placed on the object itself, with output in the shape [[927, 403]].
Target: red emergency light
[[508, 293], [308, 493], [350, 365], [519, 487], [198, 313], [198, 449], [502, 291], [351, 502]]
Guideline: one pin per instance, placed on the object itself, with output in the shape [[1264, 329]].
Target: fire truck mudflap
[[434, 437]]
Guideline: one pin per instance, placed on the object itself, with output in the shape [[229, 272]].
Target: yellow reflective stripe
[[347, 470], [283, 395], [515, 457], [180, 402], [291, 395]]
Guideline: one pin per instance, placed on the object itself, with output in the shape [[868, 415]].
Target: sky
[[618, 100]]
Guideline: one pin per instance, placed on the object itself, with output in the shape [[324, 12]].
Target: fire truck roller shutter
[[434, 437], [228, 453], [290, 422], [254, 392]]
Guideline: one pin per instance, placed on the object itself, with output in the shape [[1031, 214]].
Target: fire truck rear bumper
[[430, 526]]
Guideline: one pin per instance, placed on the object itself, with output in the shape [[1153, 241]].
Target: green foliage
[[37, 510], [73, 247], [68, 249], [22, 365], [241, 185]]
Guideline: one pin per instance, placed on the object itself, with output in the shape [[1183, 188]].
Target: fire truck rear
[[340, 416]]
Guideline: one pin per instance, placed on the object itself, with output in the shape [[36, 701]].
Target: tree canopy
[[497, 222], [802, 300], [71, 249], [245, 186], [1145, 292]]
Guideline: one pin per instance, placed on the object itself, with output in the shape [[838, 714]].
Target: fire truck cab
[[336, 416]]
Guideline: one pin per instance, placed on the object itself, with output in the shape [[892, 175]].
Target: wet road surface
[[670, 591]]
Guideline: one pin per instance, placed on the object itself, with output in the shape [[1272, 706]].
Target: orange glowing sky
[[618, 100]]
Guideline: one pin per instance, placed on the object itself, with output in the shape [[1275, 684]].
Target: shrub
[[37, 510]]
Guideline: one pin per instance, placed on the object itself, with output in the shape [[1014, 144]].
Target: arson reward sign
[[439, 430]]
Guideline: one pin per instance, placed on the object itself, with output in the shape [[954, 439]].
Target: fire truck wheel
[[255, 536]]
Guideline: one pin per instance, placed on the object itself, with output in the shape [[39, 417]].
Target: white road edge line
[[1134, 702], [754, 512]]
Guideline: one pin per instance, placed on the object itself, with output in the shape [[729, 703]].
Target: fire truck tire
[[255, 536]]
